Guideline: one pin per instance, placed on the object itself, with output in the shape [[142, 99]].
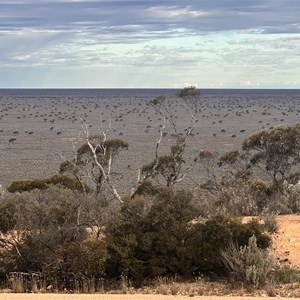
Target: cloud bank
[[184, 36]]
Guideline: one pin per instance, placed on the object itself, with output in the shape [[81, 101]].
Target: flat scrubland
[[37, 129], [286, 246], [36, 135]]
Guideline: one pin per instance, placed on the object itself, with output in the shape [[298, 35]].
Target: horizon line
[[148, 88]]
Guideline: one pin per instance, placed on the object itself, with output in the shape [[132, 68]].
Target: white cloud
[[170, 13], [230, 41]]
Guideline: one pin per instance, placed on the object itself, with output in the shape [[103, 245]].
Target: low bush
[[76, 262], [8, 218], [41, 184], [208, 239], [248, 264], [271, 223], [145, 244], [164, 241], [287, 274]]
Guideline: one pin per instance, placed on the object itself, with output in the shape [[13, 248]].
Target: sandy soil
[[119, 297], [286, 242]]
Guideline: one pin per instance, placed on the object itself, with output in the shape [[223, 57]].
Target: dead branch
[[102, 147]]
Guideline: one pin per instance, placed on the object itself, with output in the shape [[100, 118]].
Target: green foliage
[[208, 239], [160, 100], [164, 241], [261, 191], [143, 242], [147, 188], [84, 166], [190, 91], [44, 220], [8, 217], [76, 260], [277, 150], [103, 148], [124, 240], [144, 245], [41, 184], [238, 163], [249, 263], [260, 188], [27, 185], [257, 158], [65, 181], [168, 232], [287, 274], [168, 167]]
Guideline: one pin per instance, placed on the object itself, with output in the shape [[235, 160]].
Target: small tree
[[93, 161], [170, 167], [276, 151]]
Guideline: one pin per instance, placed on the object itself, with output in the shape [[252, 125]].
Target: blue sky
[[135, 43]]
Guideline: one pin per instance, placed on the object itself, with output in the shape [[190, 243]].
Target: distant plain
[[37, 127]]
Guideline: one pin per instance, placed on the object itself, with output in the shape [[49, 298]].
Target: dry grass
[[116, 297]]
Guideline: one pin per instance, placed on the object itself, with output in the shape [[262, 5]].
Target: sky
[[149, 44]]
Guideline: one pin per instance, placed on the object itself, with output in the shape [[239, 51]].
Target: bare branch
[[106, 175]]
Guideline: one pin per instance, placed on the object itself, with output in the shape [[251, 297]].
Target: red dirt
[[286, 243]]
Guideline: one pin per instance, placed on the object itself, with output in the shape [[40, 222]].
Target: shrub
[[208, 239], [43, 220], [261, 192], [76, 261], [270, 223], [167, 226], [286, 274], [248, 264], [26, 185], [147, 188], [41, 184], [124, 241], [145, 244], [66, 182], [8, 218]]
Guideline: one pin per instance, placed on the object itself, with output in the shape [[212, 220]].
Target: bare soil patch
[[286, 242]]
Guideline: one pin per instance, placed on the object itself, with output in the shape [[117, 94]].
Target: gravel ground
[[119, 297]]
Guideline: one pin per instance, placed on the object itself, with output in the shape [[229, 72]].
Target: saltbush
[[248, 264], [41, 184]]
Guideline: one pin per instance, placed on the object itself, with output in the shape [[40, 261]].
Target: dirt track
[[117, 297]]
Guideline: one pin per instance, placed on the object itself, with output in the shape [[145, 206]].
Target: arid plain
[[37, 127]]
